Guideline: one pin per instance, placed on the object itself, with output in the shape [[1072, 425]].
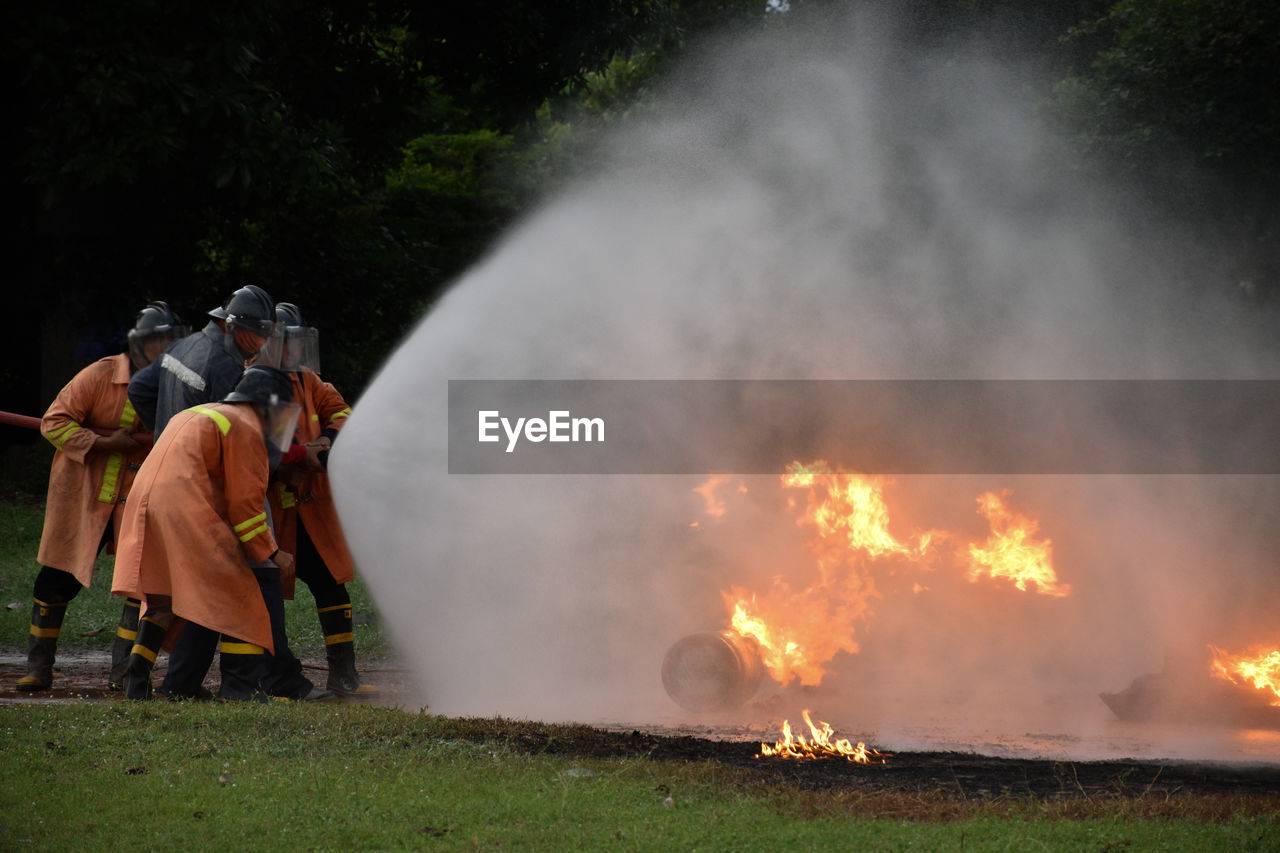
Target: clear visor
[[272, 351], [282, 423], [147, 348], [301, 349]]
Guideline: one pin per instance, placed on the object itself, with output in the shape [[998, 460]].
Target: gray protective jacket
[[193, 370]]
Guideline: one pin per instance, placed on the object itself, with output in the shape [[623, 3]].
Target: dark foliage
[[354, 157]]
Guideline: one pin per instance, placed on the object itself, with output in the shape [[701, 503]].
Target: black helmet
[[250, 308], [262, 385], [156, 319], [288, 314], [156, 327]]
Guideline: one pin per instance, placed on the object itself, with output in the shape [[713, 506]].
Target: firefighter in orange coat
[[196, 540], [92, 425], [306, 520]]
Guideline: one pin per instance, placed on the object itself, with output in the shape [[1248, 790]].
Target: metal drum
[[712, 671]]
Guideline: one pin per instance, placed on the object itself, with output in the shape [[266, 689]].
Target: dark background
[[355, 157]]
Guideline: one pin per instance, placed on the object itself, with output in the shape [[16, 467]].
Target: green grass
[[116, 775], [301, 777], [93, 615]]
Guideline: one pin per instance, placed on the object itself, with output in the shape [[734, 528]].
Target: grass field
[[116, 775]]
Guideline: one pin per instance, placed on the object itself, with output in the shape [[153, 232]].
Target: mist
[[805, 208]]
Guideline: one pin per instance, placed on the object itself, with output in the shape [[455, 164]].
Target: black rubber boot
[[340, 652], [42, 643], [137, 672], [242, 666], [126, 636], [189, 662]]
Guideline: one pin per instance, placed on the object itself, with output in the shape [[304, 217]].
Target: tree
[[1182, 97], [176, 150]]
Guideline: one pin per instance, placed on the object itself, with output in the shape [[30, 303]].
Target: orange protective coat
[[196, 522], [322, 408], [87, 488]]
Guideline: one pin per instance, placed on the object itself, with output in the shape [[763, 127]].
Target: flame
[[820, 745], [800, 630], [797, 632], [848, 510], [1258, 666], [1011, 552], [715, 505]]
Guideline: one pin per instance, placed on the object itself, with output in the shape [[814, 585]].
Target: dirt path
[[80, 676]]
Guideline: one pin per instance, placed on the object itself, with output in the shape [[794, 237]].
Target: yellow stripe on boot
[[240, 649], [42, 644], [144, 652]]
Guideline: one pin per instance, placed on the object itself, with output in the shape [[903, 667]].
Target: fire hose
[[28, 422]]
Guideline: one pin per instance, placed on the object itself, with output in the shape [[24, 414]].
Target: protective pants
[[192, 655], [333, 606]]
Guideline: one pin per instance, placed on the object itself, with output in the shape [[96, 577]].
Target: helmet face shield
[[156, 327], [282, 423], [272, 351], [301, 349], [146, 349]]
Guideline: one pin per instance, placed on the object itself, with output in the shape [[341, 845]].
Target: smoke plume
[[791, 212]]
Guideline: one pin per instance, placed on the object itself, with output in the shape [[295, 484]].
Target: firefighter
[[92, 427], [205, 366], [196, 538], [302, 504], [202, 367]]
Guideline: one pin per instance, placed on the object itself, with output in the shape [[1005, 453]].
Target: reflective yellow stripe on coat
[[243, 531], [58, 437], [218, 418], [111, 476]]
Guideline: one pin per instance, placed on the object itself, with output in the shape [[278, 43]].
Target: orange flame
[[797, 632], [1011, 552], [848, 510], [715, 504], [1258, 666], [820, 745]]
